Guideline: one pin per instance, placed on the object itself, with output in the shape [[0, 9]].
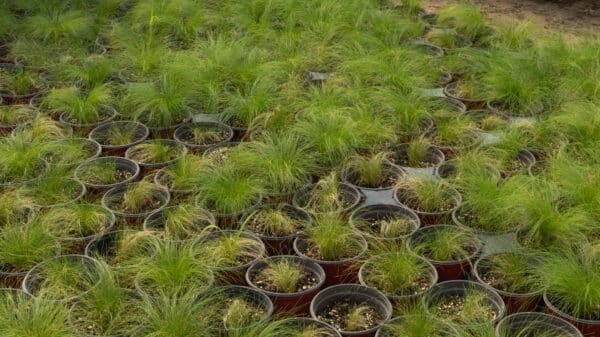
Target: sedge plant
[[22, 247], [370, 171], [81, 107], [155, 151], [181, 175], [445, 243], [331, 238], [228, 249], [425, 194], [76, 220], [513, 272], [180, 222]]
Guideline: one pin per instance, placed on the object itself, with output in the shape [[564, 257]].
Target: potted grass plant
[[513, 276], [466, 19], [409, 114], [528, 323], [20, 162], [75, 225], [63, 278], [69, 152], [26, 316], [157, 153], [135, 201], [219, 153], [474, 162], [281, 162], [464, 303], [418, 153], [227, 192], [198, 136], [333, 244], [14, 210], [12, 116], [416, 325], [433, 200], [467, 90], [53, 190], [445, 107], [290, 281], [180, 177], [400, 275], [104, 173], [86, 72], [107, 309], [383, 222], [352, 309], [172, 269], [450, 249], [180, 223], [456, 135], [42, 129], [18, 84], [448, 39], [571, 292], [277, 225], [292, 327], [328, 195], [21, 248], [373, 172], [117, 136], [82, 110]]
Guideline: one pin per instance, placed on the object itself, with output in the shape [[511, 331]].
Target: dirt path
[[569, 16]]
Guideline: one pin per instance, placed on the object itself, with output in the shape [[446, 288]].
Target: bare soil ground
[[574, 17]]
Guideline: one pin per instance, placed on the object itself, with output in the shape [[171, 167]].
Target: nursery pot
[[431, 218], [134, 219], [351, 177], [105, 246], [587, 327], [301, 322], [447, 270], [99, 134], [399, 156], [249, 295], [162, 178], [371, 214], [355, 294], [279, 245], [155, 221], [128, 168], [11, 98], [225, 220], [441, 328], [214, 150], [410, 299], [336, 272], [166, 132], [296, 302], [80, 195], [182, 135], [14, 279], [534, 323], [470, 103], [348, 193], [7, 129], [32, 283], [515, 302], [149, 167], [234, 275], [84, 129], [449, 170], [526, 158], [429, 48], [460, 288], [92, 148], [77, 245]]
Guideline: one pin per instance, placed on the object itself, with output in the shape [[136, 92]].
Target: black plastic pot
[[14, 279], [352, 177], [33, 279], [348, 193], [431, 49], [496, 107], [148, 167], [80, 194], [440, 328], [457, 219], [99, 134], [11, 98], [234, 275], [115, 194], [84, 129], [121, 164], [225, 221], [166, 132], [42, 168], [303, 322], [358, 295], [407, 299], [6, 129], [374, 213], [182, 133], [524, 157], [104, 247], [248, 294], [399, 157], [155, 221], [278, 245], [296, 302], [213, 151], [342, 271], [431, 217], [470, 103], [450, 289], [449, 169], [587, 327], [534, 324], [447, 270], [515, 302], [92, 149]]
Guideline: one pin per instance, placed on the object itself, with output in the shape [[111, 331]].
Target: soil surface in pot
[[203, 136], [275, 223], [388, 228], [236, 310], [119, 176], [345, 315], [308, 280], [388, 178], [457, 309], [152, 203]]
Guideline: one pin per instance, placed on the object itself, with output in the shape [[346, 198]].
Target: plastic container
[[296, 302], [121, 164], [586, 326], [302, 322], [115, 194], [379, 212], [348, 193], [357, 294], [439, 328], [534, 324], [101, 134], [185, 130]]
